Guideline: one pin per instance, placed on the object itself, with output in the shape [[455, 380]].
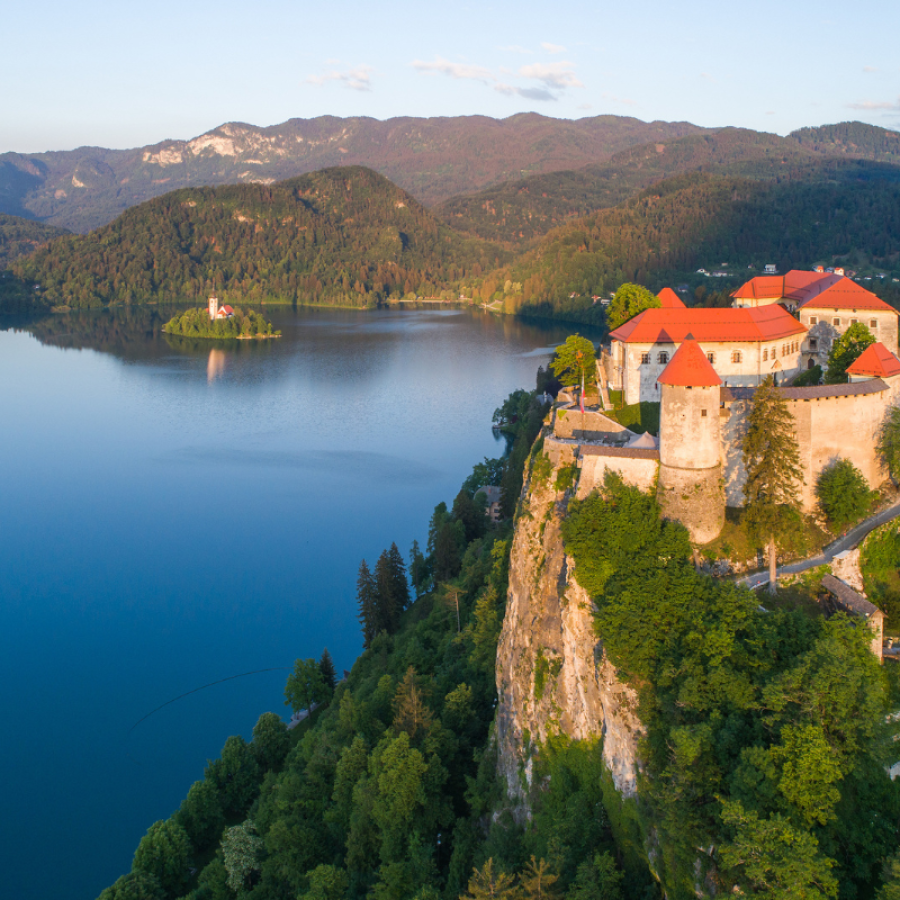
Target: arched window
[[663, 358]]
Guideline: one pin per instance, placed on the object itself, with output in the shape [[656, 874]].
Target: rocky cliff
[[552, 673]]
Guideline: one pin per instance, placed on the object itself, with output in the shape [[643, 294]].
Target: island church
[[753, 339], [219, 312]]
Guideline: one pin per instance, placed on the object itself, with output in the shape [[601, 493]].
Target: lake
[[177, 512]]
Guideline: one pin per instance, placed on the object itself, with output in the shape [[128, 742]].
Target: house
[[849, 601], [492, 507], [743, 345], [219, 312], [770, 269]]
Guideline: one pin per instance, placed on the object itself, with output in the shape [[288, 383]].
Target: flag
[[582, 393]]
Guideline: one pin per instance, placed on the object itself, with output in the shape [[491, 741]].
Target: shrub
[[843, 494], [808, 378]]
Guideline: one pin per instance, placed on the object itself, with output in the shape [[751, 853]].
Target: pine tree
[[488, 884], [326, 666], [411, 713], [367, 601], [398, 578], [538, 882], [418, 569], [387, 612], [772, 462]]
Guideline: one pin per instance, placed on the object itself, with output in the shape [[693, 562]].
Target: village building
[[845, 599], [744, 346], [219, 312], [492, 495]]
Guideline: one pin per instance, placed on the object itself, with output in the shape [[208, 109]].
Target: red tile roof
[[792, 286], [842, 293], [689, 366], [669, 299], [672, 326], [876, 361]]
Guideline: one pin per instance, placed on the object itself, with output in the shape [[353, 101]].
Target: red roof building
[[669, 299], [792, 288], [690, 367], [876, 361], [837, 292]]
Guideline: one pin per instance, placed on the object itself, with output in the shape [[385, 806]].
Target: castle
[[703, 365]]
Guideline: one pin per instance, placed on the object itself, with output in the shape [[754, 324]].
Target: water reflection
[[215, 365]]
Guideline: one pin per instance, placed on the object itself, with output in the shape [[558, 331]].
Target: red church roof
[[689, 367], [669, 299], [792, 286], [672, 326], [875, 361]]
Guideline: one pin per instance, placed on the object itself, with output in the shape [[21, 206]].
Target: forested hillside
[[19, 237], [699, 220], [341, 236], [855, 139], [432, 158], [520, 211]]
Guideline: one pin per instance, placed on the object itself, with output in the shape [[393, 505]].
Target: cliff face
[[552, 673]]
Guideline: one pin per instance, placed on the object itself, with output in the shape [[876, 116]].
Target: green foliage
[[843, 494], [196, 323], [880, 564], [845, 350], [242, 850], [566, 477], [271, 741], [487, 883], [200, 814], [764, 729], [306, 686], [575, 362], [19, 237], [327, 883], [808, 377], [134, 886], [888, 445], [236, 775], [367, 603], [638, 417], [165, 854], [629, 300], [344, 236], [326, 666], [597, 879]]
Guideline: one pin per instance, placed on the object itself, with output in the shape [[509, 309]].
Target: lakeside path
[[845, 542]]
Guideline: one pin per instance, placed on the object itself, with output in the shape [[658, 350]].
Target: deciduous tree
[[165, 853], [843, 494], [271, 741], [888, 445], [575, 361], [845, 351], [305, 686], [201, 814], [242, 850], [629, 300]]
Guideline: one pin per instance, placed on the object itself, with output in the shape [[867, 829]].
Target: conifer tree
[[398, 578], [411, 713], [538, 882], [367, 602], [387, 611], [772, 463], [326, 666], [418, 569], [487, 883]]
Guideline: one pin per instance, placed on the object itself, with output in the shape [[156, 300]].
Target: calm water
[[175, 513]]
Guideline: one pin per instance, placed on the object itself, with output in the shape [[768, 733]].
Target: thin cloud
[[356, 79], [558, 76], [553, 48], [871, 105], [455, 70], [626, 100], [528, 93], [870, 68]]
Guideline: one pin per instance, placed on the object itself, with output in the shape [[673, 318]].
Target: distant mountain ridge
[[433, 159]]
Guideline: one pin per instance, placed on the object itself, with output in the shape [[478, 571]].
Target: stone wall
[[695, 498], [592, 426], [636, 467]]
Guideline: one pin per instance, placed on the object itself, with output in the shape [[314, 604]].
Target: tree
[[888, 445], [165, 853], [418, 568], [326, 664], [271, 741], [538, 882], [326, 883], [843, 494], [411, 713], [305, 686], [235, 775], [629, 300], [140, 886], [772, 463], [472, 516], [575, 362], [890, 888], [242, 850], [487, 883], [200, 814], [597, 879], [367, 603], [389, 603], [845, 351], [399, 581]]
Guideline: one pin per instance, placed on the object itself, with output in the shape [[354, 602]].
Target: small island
[[221, 322]]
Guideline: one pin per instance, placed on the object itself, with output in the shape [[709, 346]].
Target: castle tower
[[691, 486], [213, 307]]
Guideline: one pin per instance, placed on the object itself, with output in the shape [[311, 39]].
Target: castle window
[[711, 357], [854, 321], [703, 413], [813, 320], [736, 356], [873, 324], [663, 358], [765, 355], [836, 322], [813, 344], [645, 358]]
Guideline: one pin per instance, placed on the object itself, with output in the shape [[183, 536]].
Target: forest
[[343, 236], [241, 324]]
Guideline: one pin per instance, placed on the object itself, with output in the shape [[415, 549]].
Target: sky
[[128, 75]]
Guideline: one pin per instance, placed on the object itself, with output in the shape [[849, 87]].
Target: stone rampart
[[593, 425], [637, 467]]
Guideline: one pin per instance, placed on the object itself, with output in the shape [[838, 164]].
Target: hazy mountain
[[431, 158], [855, 139], [19, 236]]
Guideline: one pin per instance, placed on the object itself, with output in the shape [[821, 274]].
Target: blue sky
[[95, 73]]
